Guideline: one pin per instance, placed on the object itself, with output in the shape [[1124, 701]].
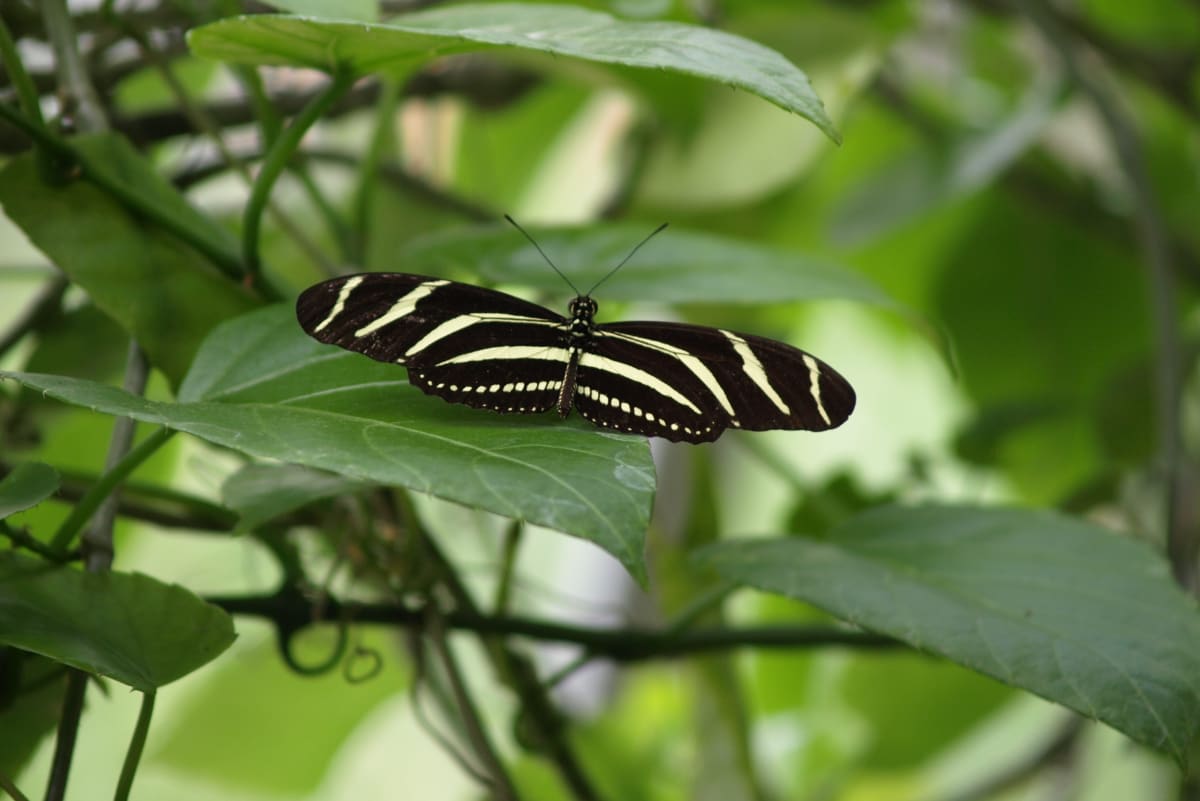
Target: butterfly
[[491, 350]]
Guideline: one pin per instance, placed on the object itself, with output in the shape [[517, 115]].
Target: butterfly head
[[582, 308]]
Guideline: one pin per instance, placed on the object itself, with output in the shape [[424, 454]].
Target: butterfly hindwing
[[686, 382]]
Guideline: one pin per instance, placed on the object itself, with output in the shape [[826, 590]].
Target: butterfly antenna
[[636, 248], [533, 242]]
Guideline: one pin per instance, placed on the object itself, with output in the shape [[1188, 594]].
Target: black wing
[[463, 343], [690, 383]]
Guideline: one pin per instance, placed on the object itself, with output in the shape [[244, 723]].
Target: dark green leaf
[[27, 485], [1059, 607], [131, 627], [560, 30], [261, 386], [159, 290], [262, 492], [674, 267]]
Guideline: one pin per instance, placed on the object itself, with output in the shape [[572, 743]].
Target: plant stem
[[105, 487], [368, 171], [618, 644], [508, 566], [73, 79], [10, 787], [68, 730], [202, 121], [148, 503], [97, 539], [26, 91], [501, 783], [137, 745], [281, 150]]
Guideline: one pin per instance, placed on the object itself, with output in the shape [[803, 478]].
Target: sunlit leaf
[[561, 30], [1056, 606]]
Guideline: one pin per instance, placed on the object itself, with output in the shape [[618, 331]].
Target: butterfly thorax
[[579, 331]]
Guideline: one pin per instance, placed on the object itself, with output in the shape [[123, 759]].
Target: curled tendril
[[285, 635], [362, 665]]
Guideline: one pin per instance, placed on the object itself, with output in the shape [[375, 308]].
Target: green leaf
[[131, 627], [261, 386], [159, 290], [1059, 607], [262, 492], [560, 30], [26, 486], [674, 267]]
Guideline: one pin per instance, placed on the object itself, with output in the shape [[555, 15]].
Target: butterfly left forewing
[[393, 317], [690, 383], [463, 343]]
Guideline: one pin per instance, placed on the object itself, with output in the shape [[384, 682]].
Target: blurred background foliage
[[981, 183]]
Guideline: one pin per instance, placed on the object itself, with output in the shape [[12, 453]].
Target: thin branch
[[280, 152], [390, 172], [10, 787], [79, 96], [68, 732], [202, 122], [484, 82], [498, 778], [291, 612], [26, 91], [98, 538], [103, 488], [544, 719], [23, 539], [148, 503]]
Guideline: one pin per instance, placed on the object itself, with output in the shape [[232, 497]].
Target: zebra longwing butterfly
[[470, 345]]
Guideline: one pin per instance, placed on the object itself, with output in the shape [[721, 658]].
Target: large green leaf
[[1057, 606], [560, 30], [675, 266], [27, 485], [261, 386], [261, 492], [128, 626], [159, 290]]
